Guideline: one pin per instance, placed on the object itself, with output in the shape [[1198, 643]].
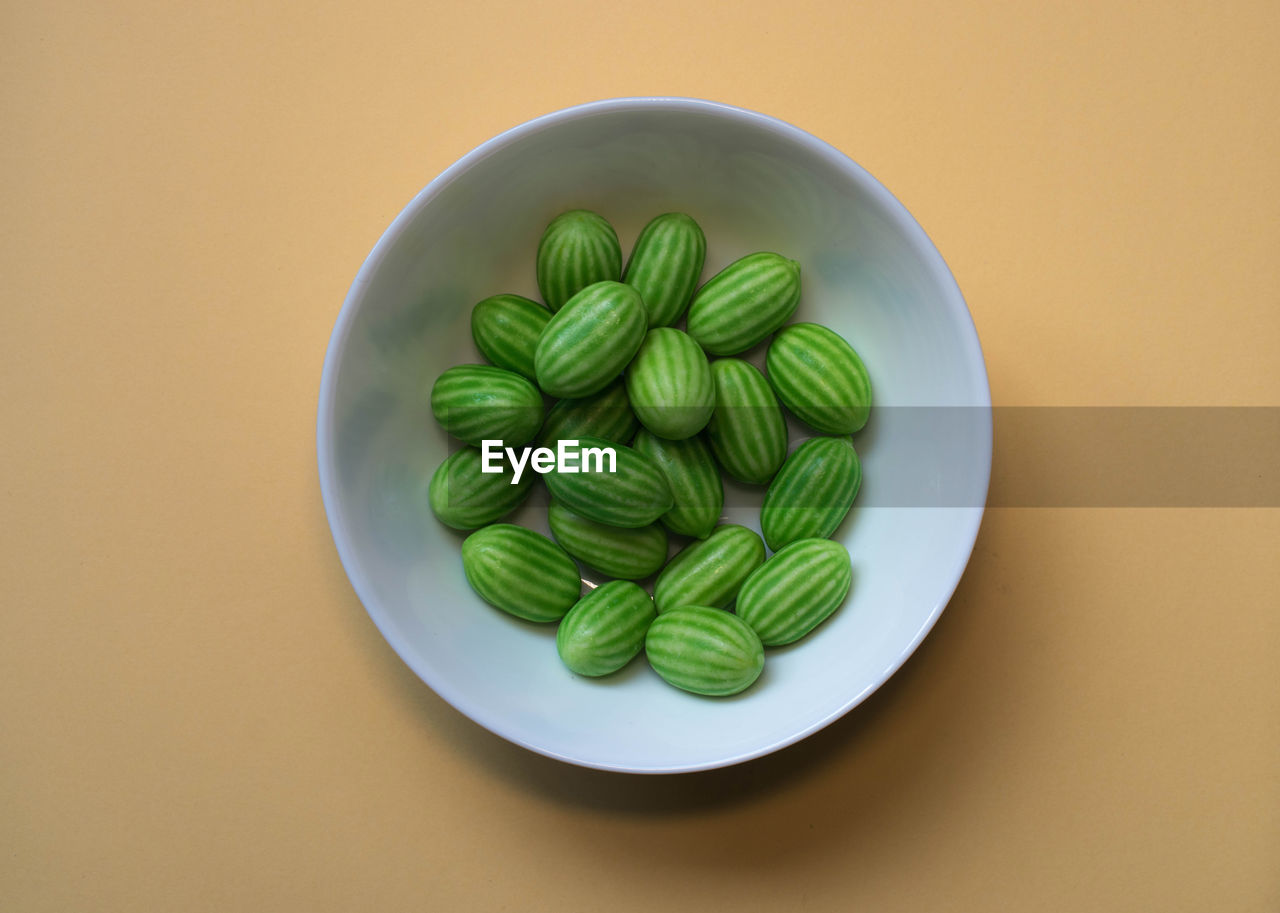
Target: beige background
[[195, 712]]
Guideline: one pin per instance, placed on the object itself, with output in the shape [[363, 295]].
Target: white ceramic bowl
[[753, 183]]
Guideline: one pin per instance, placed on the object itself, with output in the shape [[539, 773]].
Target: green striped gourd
[[697, 490], [747, 431], [711, 571], [820, 378], [463, 497], [745, 302], [795, 590], [590, 340], [631, 554], [669, 384], [606, 629], [704, 650], [480, 402], [506, 330], [635, 495], [577, 249], [812, 492], [665, 265], [521, 572], [606, 414]]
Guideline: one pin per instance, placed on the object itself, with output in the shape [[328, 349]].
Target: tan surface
[[196, 714]]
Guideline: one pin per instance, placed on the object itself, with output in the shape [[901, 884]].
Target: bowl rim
[[325, 420]]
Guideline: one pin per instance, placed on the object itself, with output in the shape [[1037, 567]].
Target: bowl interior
[[753, 183]]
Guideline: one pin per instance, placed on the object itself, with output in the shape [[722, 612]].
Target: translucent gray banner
[[1069, 456], [1129, 456]]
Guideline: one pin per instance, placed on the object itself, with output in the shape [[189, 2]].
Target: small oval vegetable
[[605, 629], [669, 384], [578, 248], [812, 492], [590, 340], [745, 302], [819, 377], [463, 497], [482, 402], [747, 431], [709, 572], [606, 414], [704, 650], [634, 495], [696, 488], [795, 590], [506, 329], [521, 572], [665, 265], [631, 554]]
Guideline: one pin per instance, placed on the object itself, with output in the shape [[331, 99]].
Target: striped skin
[[479, 402], [745, 302], [747, 431], [577, 249], [812, 492], [704, 650], [606, 629], [521, 572], [590, 340], [635, 495], [696, 486], [630, 554], [819, 377], [463, 497], [665, 266], [709, 572], [606, 414], [669, 385], [796, 590], [506, 330]]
